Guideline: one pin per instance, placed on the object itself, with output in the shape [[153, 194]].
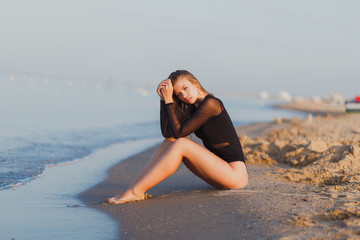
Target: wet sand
[[47, 207], [276, 204]]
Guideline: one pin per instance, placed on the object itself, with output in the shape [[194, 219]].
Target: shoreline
[[48, 207]]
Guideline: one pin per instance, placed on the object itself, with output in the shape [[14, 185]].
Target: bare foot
[[126, 197]]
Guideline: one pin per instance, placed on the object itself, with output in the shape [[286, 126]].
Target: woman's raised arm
[[208, 108]]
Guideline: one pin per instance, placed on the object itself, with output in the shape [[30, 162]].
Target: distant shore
[[314, 107]]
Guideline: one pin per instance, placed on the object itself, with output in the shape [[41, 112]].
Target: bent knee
[[181, 141], [181, 144]]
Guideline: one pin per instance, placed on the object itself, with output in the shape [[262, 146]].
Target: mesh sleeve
[[165, 130], [208, 108]]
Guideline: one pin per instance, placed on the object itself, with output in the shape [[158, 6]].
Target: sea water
[[45, 121], [48, 121], [82, 128]]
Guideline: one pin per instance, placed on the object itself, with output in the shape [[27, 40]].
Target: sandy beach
[[80, 88], [304, 183], [323, 152]]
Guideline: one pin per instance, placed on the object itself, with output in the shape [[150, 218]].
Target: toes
[[110, 201]]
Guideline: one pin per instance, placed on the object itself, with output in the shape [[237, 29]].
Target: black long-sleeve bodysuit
[[211, 123]]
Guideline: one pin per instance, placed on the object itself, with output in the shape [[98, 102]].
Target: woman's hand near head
[[165, 91], [168, 91], [159, 88]]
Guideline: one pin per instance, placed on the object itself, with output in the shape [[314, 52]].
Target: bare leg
[[156, 155], [205, 164], [128, 194]]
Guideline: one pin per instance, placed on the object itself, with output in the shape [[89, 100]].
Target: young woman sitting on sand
[[186, 107]]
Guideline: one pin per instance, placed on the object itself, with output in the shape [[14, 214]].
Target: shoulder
[[211, 103], [211, 100]]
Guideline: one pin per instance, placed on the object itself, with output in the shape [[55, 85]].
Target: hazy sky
[[304, 47]]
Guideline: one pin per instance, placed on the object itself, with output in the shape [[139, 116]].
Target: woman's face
[[186, 91]]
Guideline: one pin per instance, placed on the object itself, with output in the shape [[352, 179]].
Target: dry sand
[[304, 184], [322, 152]]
